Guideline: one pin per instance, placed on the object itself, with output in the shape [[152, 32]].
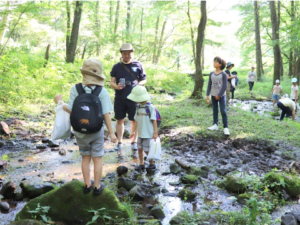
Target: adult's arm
[[224, 87], [296, 96], [142, 82], [114, 85]]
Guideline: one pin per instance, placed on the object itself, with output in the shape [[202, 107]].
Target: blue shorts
[[276, 97]]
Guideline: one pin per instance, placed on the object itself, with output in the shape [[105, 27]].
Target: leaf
[[33, 211], [45, 219]]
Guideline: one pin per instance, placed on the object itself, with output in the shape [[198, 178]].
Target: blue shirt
[[118, 71]]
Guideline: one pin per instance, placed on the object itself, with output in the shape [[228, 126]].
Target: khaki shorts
[[92, 144], [144, 143]]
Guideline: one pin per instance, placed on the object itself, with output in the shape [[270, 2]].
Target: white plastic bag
[[155, 150], [233, 82], [62, 126]]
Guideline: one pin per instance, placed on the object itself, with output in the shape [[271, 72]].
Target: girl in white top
[[251, 77], [276, 92], [294, 90]]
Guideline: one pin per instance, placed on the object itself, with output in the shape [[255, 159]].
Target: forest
[[204, 177]]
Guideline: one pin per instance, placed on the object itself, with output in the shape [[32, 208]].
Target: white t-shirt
[[277, 89], [288, 103], [293, 91], [144, 122], [251, 76]]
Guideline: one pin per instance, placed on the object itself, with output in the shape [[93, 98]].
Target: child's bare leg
[[151, 161], [97, 171], [273, 102], [141, 156], [85, 167]]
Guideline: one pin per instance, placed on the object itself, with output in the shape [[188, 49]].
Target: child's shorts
[[276, 97], [144, 143], [91, 144]]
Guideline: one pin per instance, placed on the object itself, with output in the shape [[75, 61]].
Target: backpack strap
[[80, 89], [97, 90]]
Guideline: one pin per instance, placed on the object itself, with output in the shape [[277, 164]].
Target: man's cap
[[92, 67], [126, 47], [229, 64], [139, 94]]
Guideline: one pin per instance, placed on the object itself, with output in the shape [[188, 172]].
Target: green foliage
[[41, 211]]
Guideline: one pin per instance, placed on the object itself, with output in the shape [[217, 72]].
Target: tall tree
[[116, 21], [156, 38], [3, 22], [199, 81], [192, 32], [97, 30], [259, 64], [141, 35], [291, 58], [275, 38], [72, 37], [160, 43], [128, 21]]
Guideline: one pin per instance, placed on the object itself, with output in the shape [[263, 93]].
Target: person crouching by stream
[[145, 117], [91, 145], [217, 85], [287, 106]]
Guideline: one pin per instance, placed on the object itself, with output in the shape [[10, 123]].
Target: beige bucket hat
[[139, 94], [126, 47], [92, 71]]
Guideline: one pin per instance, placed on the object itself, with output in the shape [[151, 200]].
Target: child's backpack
[[158, 117], [86, 116]]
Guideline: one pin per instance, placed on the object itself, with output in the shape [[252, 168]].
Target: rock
[[179, 219], [175, 168], [12, 143], [4, 129], [157, 212], [233, 184], [55, 149], [4, 206], [122, 170], [8, 189], [34, 189], [222, 171], [189, 179], [2, 144], [296, 215], [41, 146], [67, 162], [285, 195], [147, 222], [2, 164], [138, 193], [199, 172], [155, 190], [288, 219], [237, 144], [122, 191], [243, 198], [126, 134], [18, 196], [126, 183], [52, 144], [21, 160], [27, 222], [45, 140], [184, 165], [62, 152], [292, 183], [69, 204], [186, 194], [70, 150]]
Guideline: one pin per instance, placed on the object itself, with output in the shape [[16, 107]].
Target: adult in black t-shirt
[[132, 74], [229, 66]]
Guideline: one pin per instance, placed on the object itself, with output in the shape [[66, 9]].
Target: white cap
[[277, 81]]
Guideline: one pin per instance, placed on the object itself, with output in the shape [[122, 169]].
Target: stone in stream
[[186, 194], [175, 168], [2, 144], [62, 151], [122, 191], [70, 205], [45, 140], [18, 196], [2, 164], [189, 179], [4, 129], [34, 189], [122, 170], [27, 222], [138, 192], [8, 189], [41, 146], [11, 143], [4, 206], [233, 184], [157, 212], [52, 144], [126, 183], [288, 219]]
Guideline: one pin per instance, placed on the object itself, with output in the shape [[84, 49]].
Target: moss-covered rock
[[27, 222], [157, 212], [189, 179], [202, 172], [243, 198], [34, 189], [69, 204], [186, 194], [175, 168], [233, 184], [291, 184], [181, 218]]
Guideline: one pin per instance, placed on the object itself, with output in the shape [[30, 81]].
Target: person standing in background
[[251, 78]]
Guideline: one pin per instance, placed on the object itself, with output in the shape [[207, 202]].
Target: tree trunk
[[156, 39], [161, 43], [259, 65], [98, 28], [72, 40], [47, 55], [83, 52], [110, 15], [116, 21], [202, 65], [199, 81], [292, 41], [275, 38], [278, 27], [141, 26], [128, 21], [297, 70], [192, 32], [3, 23]]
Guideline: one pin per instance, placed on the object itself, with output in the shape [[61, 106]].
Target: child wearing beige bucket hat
[[91, 145], [146, 127]]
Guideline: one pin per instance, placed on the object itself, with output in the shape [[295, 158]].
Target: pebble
[[4, 206]]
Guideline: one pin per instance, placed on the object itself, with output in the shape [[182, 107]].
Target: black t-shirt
[[118, 71], [228, 72]]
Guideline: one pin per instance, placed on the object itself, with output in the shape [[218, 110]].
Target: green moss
[[189, 179], [233, 184], [199, 172], [69, 204], [186, 194]]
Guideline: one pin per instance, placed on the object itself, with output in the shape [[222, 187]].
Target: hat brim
[[92, 74], [140, 98], [230, 65]]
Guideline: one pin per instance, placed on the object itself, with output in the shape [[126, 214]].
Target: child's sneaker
[[99, 191], [134, 146], [119, 148], [214, 127], [88, 189], [140, 167], [152, 167], [226, 131]]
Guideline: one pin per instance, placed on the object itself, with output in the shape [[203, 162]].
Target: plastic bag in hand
[[155, 150], [62, 126]]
